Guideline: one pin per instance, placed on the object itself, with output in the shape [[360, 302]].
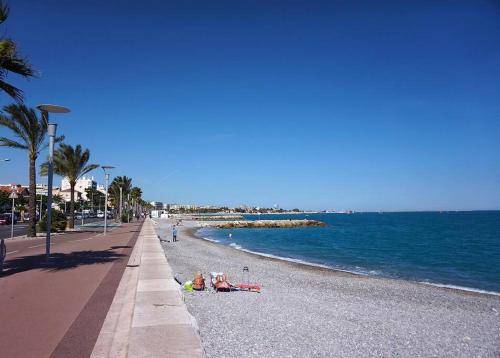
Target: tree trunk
[[32, 198], [72, 207]]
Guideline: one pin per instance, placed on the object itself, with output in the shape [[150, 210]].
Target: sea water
[[455, 249]]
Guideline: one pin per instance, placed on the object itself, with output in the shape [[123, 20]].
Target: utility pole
[[106, 176]]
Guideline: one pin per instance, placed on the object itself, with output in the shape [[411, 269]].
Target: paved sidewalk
[[148, 317], [57, 309]]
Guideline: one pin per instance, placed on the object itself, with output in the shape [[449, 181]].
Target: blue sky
[[387, 105]]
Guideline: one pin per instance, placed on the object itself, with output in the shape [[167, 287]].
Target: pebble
[[308, 312]]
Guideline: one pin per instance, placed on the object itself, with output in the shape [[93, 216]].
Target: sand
[[305, 311]]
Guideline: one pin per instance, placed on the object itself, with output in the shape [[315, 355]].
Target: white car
[[100, 215]]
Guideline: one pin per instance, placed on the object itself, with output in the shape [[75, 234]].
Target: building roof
[[21, 190]]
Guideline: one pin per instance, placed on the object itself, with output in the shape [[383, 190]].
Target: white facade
[[66, 195], [101, 188], [157, 205], [43, 189], [81, 184], [182, 206]]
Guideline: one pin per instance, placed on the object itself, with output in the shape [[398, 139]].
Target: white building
[[66, 195], [81, 184], [43, 189], [182, 206], [101, 188], [157, 205]]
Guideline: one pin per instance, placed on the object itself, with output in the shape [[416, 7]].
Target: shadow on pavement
[[59, 261]]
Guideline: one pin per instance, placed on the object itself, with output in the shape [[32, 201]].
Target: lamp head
[[52, 108]]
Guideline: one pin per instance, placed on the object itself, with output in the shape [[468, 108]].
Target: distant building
[[157, 205], [43, 189], [101, 188], [66, 195], [81, 184], [182, 206]]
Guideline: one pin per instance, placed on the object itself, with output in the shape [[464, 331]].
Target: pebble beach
[[306, 311]]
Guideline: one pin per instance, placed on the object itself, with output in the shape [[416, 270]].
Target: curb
[[148, 316]]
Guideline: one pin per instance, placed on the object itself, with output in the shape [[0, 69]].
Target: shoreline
[[303, 310], [193, 232]]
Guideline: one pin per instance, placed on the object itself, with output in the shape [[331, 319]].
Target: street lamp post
[[81, 209], [106, 175], [128, 208], [51, 131], [121, 192], [13, 196]]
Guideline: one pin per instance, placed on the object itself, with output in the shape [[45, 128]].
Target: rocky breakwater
[[239, 224], [217, 217]]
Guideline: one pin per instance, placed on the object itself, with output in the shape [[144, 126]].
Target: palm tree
[[114, 189], [11, 61], [71, 163], [30, 130], [135, 195]]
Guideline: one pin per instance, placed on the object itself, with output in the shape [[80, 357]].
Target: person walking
[[174, 234]]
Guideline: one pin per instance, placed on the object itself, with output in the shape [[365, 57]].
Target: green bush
[[59, 222]]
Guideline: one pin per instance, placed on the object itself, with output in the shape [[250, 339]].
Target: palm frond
[[4, 12], [18, 66], [71, 162], [14, 92], [26, 125], [10, 123], [6, 142], [44, 169], [88, 169]]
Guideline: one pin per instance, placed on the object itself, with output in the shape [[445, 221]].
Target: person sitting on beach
[[174, 234]]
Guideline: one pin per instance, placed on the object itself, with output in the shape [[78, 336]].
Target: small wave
[[461, 288], [298, 261], [357, 271], [211, 240]]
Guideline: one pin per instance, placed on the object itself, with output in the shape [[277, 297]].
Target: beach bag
[[188, 286], [198, 282], [221, 283]]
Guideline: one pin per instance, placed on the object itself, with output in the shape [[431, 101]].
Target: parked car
[[6, 219], [100, 215]]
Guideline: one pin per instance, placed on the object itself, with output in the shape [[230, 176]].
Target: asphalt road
[[21, 228]]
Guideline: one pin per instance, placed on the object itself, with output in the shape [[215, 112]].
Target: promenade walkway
[[148, 317], [57, 309]]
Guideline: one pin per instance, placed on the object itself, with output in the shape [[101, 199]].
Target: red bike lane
[[57, 308]]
